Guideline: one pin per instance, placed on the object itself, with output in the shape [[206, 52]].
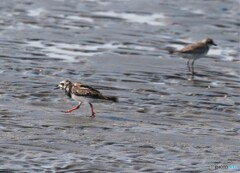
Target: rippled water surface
[[163, 122]]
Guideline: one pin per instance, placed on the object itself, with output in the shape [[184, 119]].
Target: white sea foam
[[193, 10], [70, 51], [151, 19], [226, 54], [36, 12], [78, 18]]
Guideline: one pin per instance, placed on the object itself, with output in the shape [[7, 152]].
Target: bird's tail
[[111, 98]]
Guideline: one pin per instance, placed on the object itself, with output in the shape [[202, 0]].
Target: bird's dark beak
[[56, 87], [214, 44]]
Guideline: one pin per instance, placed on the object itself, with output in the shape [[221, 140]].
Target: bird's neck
[[68, 90]]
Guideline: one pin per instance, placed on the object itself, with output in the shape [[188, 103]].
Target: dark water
[[164, 122]]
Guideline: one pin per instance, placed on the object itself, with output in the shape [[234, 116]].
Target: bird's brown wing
[[79, 89], [194, 48]]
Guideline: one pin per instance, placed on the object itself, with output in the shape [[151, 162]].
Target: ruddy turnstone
[[194, 51], [83, 94]]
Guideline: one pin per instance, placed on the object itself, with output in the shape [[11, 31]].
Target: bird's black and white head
[[64, 85], [209, 42]]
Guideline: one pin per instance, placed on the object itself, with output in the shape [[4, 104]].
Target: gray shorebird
[[194, 51], [83, 94]]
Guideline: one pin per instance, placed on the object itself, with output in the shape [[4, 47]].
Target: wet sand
[[163, 122]]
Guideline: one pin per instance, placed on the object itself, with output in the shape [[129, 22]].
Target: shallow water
[[164, 122]]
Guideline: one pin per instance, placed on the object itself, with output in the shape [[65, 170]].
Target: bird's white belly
[[82, 99], [186, 56], [193, 56], [86, 99]]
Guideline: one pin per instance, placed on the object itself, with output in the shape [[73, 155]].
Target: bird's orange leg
[[73, 108]]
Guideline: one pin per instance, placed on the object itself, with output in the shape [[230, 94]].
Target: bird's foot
[[92, 115]]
